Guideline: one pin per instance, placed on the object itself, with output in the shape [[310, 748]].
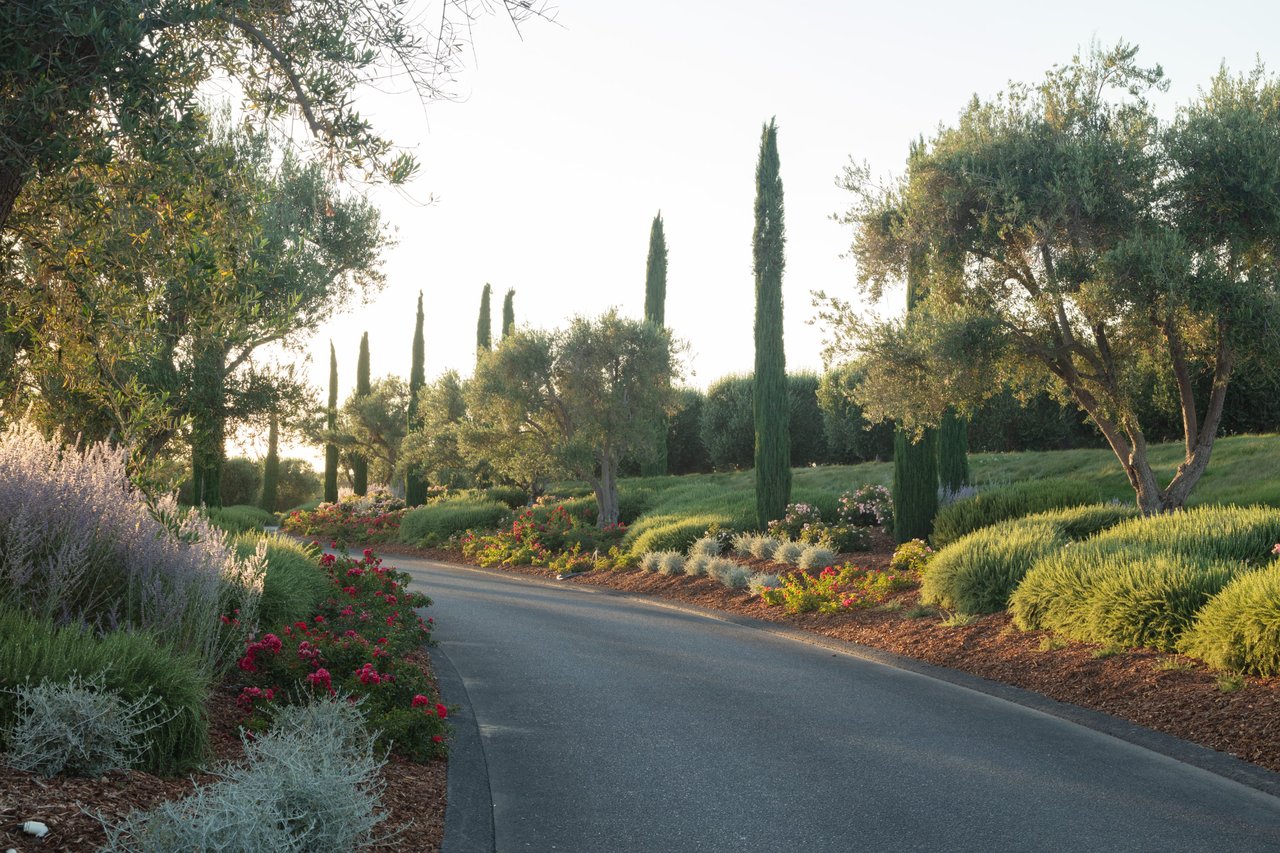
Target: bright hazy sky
[[547, 171]]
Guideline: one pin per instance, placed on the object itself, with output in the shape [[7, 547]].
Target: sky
[[544, 173]]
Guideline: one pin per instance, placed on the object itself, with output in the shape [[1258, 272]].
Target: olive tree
[[1075, 244]]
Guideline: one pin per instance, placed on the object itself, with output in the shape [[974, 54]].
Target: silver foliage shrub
[[78, 727], [788, 552], [760, 581], [696, 565], [728, 573], [709, 546], [79, 543], [672, 563], [741, 544], [815, 557], [310, 784], [651, 561], [764, 547]]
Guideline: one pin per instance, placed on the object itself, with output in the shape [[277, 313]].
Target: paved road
[[611, 725]]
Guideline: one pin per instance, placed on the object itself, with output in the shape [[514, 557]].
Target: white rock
[[36, 828]]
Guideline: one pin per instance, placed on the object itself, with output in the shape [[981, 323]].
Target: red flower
[[436, 739], [419, 700], [441, 711], [321, 678]]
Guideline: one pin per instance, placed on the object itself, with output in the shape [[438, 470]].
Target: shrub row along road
[[610, 724]]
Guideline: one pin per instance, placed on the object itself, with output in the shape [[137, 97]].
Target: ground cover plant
[[550, 536], [1005, 502], [1238, 630], [433, 523], [834, 589]]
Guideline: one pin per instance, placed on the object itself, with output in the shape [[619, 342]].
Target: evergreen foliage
[[484, 334], [508, 313], [331, 426], [271, 466], [770, 402], [655, 300], [953, 451], [359, 464], [915, 457], [415, 487]]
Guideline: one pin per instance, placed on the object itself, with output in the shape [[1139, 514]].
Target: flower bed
[[360, 645], [554, 539], [372, 518], [848, 588]]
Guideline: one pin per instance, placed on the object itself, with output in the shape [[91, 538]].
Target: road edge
[[468, 815]]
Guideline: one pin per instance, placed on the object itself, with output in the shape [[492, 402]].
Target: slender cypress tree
[[953, 451], [915, 462], [770, 403], [271, 467], [415, 486], [508, 313], [655, 275], [331, 423], [484, 338], [655, 299], [360, 465]]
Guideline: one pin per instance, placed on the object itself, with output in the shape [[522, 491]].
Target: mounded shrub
[[708, 546], [672, 563], [666, 533], [436, 522], [130, 664], [728, 573], [240, 519], [295, 586], [240, 482], [513, 496], [788, 552], [1239, 629], [1122, 596], [1245, 533], [652, 561], [1007, 502], [977, 573], [764, 547], [816, 557], [696, 565]]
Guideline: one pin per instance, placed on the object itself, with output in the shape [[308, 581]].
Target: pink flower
[[441, 711], [436, 739], [321, 678], [419, 701]]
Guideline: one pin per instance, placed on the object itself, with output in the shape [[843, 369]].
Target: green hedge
[[977, 573], [436, 522], [1239, 629], [1007, 502], [295, 585], [132, 664]]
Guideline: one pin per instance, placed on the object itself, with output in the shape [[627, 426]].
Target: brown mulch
[[414, 798], [1169, 693]]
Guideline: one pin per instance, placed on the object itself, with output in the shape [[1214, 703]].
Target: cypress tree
[[271, 467], [953, 451], [655, 298], [508, 313], [655, 275], [331, 423], [415, 486], [770, 402], [915, 461], [484, 339], [360, 465]]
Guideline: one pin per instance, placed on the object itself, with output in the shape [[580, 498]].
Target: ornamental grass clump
[[1006, 503], [978, 573], [1118, 596], [651, 561], [709, 546], [79, 543], [1244, 533], [311, 783], [78, 727], [728, 573], [696, 565], [764, 547], [1239, 629], [740, 545]]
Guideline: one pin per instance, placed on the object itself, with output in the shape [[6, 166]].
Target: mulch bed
[[1169, 693], [414, 799]]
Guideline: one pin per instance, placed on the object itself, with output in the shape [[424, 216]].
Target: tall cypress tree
[[484, 338], [655, 274], [360, 465], [770, 403], [508, 313], [953, 451], [415, 486], [271, 467], [655, 299], [331, 423], [915, 461]]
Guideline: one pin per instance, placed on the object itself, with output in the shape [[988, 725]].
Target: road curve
[[608, 725]]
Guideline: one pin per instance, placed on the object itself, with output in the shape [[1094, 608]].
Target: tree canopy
[[1072, 242]]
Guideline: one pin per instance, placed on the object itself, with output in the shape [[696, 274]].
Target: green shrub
[[1118, 595], [977, 573], [132, 665], [239, 482], [241, 518], [1005, 503], [513, 496], [1208, 532], [294, 587], [1239, 629], [666, 533], [438, 521]]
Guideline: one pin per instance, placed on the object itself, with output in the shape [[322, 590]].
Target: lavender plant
[[80, 544]]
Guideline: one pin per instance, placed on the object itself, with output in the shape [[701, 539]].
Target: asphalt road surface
[[608, 724]]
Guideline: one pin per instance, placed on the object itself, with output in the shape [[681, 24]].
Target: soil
[[413, 800], [1169, 693]]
